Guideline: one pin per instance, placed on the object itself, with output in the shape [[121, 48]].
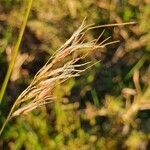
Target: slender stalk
[[15, 52], [112, 25], [8, 118]]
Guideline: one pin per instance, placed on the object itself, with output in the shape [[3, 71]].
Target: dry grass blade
[[60, 67]]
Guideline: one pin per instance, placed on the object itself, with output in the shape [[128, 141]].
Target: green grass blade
[[15, 52]]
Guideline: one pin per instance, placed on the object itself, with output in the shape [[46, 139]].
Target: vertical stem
[[15, 52], [11, 65], [8, 118]]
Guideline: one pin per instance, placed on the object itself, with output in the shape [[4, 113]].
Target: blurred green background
[[79, 118]]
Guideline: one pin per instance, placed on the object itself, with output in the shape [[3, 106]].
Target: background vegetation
[[108, 107]]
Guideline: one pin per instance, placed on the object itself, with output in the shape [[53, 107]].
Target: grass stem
[[15, 52]]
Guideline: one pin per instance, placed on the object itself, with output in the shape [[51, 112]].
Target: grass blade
[[15, 52]]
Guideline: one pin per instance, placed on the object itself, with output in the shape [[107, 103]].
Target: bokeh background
[[91, 108]]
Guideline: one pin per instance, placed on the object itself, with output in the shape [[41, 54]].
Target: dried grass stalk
[[60, 67]]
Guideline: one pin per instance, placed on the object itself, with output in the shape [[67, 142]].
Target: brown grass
[[63, 65]]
